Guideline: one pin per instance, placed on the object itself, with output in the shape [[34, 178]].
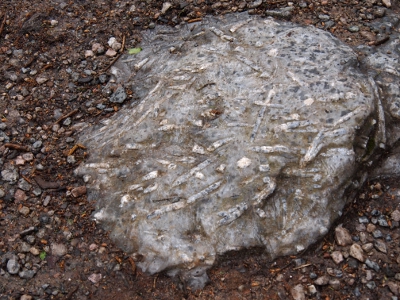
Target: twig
[[2, 23], [194, 20], [379, 41], [66, 116], [16, 147], [118, 56], [71, 293], [27, 179], [302, 266], [75, 147]]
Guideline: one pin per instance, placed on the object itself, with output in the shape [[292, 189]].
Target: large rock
[[247, 132]]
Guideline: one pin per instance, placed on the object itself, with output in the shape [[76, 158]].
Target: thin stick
[[3, 23], [118, 56], [302, 266], [16, 147], [66, 116]]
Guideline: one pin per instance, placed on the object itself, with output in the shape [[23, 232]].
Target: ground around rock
[[56, 58]]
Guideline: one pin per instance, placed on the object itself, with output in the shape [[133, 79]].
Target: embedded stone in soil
[[246, 133]]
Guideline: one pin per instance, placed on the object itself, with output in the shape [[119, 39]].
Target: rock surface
[[247, 132]]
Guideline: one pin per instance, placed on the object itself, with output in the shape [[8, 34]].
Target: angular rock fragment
[[245, 135]]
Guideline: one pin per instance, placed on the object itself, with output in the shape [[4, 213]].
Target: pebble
[[298, 293], [95, 278], [322, 280], [284, 12], [372, 265], [34, 251], [395, 215], [377, 234], [78, 191], [382, 222], [20, 196], [381, 246], [387, 3], [2, 193], [337, 257], [342, 236], [24, 210], [119, 96], [363, 220], [98, 48], [26, 297], [111, 53], [354, 28], [10, 176], [58, 249], [24, 247], [13, 266], [367, 247], [24, 185], [37, 144], [41, 80], [28, 156], [71, 159], [370, 227], [371, 285], [27, 274], [334, 283], [357, 252], [324, 17]]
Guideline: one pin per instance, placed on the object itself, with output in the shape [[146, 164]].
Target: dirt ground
[[52, 79]]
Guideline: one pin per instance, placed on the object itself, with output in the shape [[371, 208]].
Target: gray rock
[[337, 257], [371, 285], [13, 266], [372, 265], [363, 220], [377, 234], [354, 28], [2, 193], [24, 185], [284, 12], [119, 96], [236, 142], [37, 144], [10, 175], [27, 274]]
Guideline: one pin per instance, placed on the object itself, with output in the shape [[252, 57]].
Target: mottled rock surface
[[246, 132]]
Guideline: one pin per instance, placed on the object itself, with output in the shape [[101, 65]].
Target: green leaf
[[42, 255], [134, 50]]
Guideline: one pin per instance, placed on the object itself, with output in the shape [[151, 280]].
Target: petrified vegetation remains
[[246, 132]]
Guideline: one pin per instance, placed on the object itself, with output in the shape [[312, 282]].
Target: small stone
[[311, 289], [354, 28], [24, 211], [98, 48], [37, 144], [357, 252], [395, 215], [13, 266], [387, 3], [111, 52], [34, 251], [377, 234], [89, 53], [382, 222], [46, 201], [28, 156], [19, 161], [397, 276], [368, 35], [93, 247], [342, 236], [71, 159], [367, 247], [41, 80], [381, 246], [2, 193], [95, 278], [119, 96], [20, 196], [371, 285], [58, 249], [10, 176], [284, 12], [372, 265], [370, 227], [337, 257], [379, 12], [78, 191], [324, 17], [393, 287], [68, 121], [322, 280], [334, 283], [24, 247], [26, 297], [24, 185], [27, 274], [297, 292]]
